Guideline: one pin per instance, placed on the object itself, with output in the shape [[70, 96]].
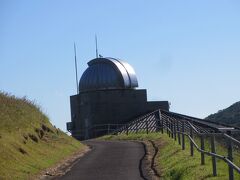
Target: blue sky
[[186, 52]]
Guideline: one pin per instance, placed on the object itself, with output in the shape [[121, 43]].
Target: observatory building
[[108, 95]]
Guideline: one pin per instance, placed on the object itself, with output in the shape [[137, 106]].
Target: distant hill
[[230, 115], [29, 143]]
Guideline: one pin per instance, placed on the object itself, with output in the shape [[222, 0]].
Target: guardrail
[[180, 127], [95, 131]]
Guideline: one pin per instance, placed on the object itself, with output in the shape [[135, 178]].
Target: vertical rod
[[76, 71], [183, 136], [127, 128], [213, 149], [174, 129], [166, 123], [230, 157], [117, 129], [147, 125], [158, 123], [203, 148], [178, 129], [169, 128], [161, 121], [137, 127], [108, 128], [191, 144], [96, 46]]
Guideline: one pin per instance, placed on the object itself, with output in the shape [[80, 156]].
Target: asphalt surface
[[109, 160]]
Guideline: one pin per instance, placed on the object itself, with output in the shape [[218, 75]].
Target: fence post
[[147, 125], [213, 149], [174, 130], [160, 120], [127, 129], [191, 143], [230, 157], [158, 123], [183, 136], [168, 125], [137, 127], [171, 123], [108, 128], [203, 148], [178, 133]]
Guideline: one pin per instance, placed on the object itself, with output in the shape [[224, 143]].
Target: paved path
[[108, 160]]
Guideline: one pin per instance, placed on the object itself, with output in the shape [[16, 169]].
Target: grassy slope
[[28, 141], [174, 163]]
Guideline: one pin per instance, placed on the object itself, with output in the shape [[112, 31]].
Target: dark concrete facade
[[108, 107]]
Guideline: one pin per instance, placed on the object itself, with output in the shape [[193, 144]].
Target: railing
[[95, 131], [180, 127]]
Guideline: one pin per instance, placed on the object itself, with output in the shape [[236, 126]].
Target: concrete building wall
[[109, 107]]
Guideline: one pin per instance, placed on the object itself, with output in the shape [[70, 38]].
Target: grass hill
[[230, 115], [29, 143]]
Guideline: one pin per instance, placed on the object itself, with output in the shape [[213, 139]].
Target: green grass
[[28, 141], [175, 163]]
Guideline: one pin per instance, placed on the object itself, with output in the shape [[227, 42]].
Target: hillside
[[230, 115], [29, 143]]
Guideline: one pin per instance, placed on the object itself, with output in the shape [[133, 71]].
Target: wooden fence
[[181, 127]]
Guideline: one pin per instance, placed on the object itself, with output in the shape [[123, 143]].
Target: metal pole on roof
[[96, 45], [76, 67]]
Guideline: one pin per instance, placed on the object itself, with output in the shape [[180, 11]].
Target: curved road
[[109, 160]]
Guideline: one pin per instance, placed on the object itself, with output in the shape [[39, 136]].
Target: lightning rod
[[76, 67]]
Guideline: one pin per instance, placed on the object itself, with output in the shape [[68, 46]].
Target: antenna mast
[[76, 68], [96, 46]]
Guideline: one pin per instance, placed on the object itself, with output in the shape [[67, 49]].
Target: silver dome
[[108, 73]]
